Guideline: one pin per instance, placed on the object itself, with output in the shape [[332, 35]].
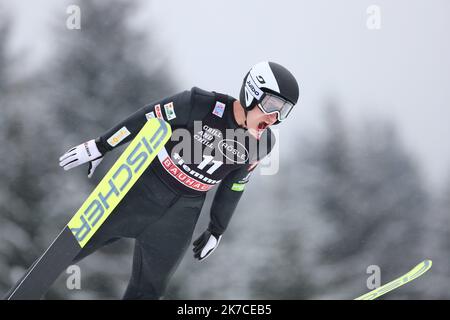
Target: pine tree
[[372, 196]]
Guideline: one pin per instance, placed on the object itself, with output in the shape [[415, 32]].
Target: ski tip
[[428, 263]]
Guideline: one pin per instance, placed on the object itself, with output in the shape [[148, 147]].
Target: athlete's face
[[258, 121]]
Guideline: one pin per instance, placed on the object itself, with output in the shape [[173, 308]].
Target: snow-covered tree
[[370, 192], [23, 167], [95, 77]]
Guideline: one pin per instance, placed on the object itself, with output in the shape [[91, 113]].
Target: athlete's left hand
[[206, 244]]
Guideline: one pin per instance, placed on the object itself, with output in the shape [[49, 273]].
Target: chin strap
[[246, 113]]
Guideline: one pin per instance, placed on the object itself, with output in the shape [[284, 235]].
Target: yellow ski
[[95, 210], [416, 272]]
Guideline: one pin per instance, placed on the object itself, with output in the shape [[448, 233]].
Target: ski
[[416, 272], [94, 211]]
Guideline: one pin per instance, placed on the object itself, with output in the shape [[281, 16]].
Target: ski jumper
[[163, 207]]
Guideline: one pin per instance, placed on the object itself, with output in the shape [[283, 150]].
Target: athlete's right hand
[[83, 153], [206, 244]]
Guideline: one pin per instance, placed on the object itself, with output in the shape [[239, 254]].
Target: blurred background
[[364, 173]]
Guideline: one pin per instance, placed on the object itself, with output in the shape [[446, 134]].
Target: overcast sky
[[400, 72]]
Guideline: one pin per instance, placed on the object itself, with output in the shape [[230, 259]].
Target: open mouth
[[262, 126]]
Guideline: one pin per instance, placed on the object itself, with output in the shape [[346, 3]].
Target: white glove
[[83, 153]]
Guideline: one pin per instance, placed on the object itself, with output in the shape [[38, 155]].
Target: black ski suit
[[162, 208]]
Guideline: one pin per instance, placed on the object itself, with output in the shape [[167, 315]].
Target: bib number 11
[[207, 160]]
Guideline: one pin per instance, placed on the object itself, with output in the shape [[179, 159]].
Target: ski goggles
[[271, 103]]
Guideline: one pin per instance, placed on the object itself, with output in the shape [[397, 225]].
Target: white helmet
[[271, 87]]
